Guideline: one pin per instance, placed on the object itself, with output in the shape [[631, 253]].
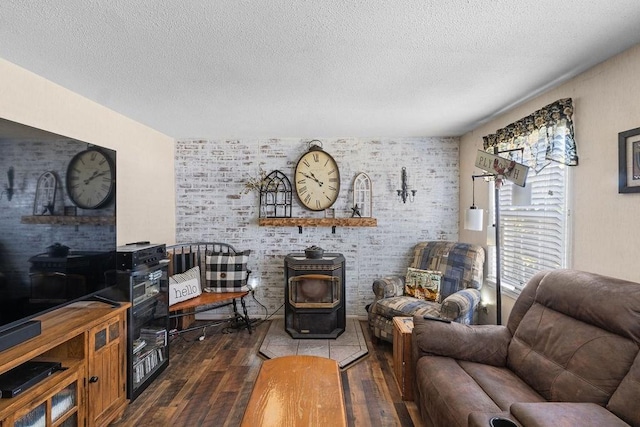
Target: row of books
[[148, 351], [146, 361]]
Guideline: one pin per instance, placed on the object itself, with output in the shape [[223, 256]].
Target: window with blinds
[[534, 231]]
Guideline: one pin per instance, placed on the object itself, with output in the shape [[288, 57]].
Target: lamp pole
[[496, 202], [498, 257]]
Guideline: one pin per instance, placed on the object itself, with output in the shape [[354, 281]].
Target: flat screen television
[[52, 251]]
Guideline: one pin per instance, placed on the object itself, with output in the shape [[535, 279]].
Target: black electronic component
[[135, 255], [20, 378]]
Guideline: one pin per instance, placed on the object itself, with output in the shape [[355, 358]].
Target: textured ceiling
[[304, 68]]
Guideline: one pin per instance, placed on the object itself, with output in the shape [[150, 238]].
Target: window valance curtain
[[546, 135]]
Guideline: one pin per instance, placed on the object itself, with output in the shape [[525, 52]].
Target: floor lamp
[[474, 221], [473, 215]]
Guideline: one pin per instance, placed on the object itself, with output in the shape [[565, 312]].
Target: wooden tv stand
[[89, 338]]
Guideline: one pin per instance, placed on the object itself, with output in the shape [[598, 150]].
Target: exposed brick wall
[[210, 176]]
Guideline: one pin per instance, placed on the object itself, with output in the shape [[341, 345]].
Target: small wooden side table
[[402, 366]]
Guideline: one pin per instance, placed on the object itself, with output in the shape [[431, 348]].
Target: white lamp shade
[[473, 219]]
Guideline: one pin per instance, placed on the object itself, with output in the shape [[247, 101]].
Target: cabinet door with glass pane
[[59, 407]]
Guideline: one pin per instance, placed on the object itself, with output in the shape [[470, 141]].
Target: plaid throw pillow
[[227, 272], [423, 284]]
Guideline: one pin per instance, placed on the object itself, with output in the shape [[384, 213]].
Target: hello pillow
[[184, 286]]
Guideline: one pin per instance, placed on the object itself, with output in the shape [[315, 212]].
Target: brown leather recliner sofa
[[568, 356]]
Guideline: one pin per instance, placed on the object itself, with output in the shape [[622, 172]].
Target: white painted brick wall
[[210, 176]]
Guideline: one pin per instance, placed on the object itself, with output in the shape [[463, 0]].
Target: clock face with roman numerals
[[317, 179], [90, 179]]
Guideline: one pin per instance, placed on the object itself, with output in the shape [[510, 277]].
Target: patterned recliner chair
[[461, 265]]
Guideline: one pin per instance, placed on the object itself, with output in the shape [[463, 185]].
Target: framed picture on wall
[[629, 161]]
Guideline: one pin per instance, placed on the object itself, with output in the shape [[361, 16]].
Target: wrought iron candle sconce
[[9, 189], [404, 192]]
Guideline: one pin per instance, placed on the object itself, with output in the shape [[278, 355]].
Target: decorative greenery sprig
[[257, 183]]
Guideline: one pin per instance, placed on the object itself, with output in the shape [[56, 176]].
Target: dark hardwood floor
[[208, 383]]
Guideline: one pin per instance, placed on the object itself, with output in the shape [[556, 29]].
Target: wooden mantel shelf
[[68, 220], [320, 222]]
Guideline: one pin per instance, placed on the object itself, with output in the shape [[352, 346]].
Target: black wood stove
[[314, 296]]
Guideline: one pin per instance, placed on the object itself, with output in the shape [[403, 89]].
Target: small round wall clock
[[90, 179], [317, 179]]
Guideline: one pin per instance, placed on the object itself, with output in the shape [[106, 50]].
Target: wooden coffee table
[[297, 391]]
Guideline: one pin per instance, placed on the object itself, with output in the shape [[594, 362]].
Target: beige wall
[[605, 224], [145, 174]]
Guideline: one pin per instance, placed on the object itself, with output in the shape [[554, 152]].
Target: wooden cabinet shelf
[[56, 398], [319, 222], [89, 339], [68, 220]]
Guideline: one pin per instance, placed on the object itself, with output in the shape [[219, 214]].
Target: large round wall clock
[[317, 179], [90, 179]]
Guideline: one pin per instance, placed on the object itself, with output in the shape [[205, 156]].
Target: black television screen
[[52, 251]]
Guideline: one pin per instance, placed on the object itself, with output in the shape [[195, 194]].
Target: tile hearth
[[346, 349]]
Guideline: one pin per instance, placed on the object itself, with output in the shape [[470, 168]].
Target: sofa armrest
[[475, 343], [387, 287], [564, 414], [461, 306]]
